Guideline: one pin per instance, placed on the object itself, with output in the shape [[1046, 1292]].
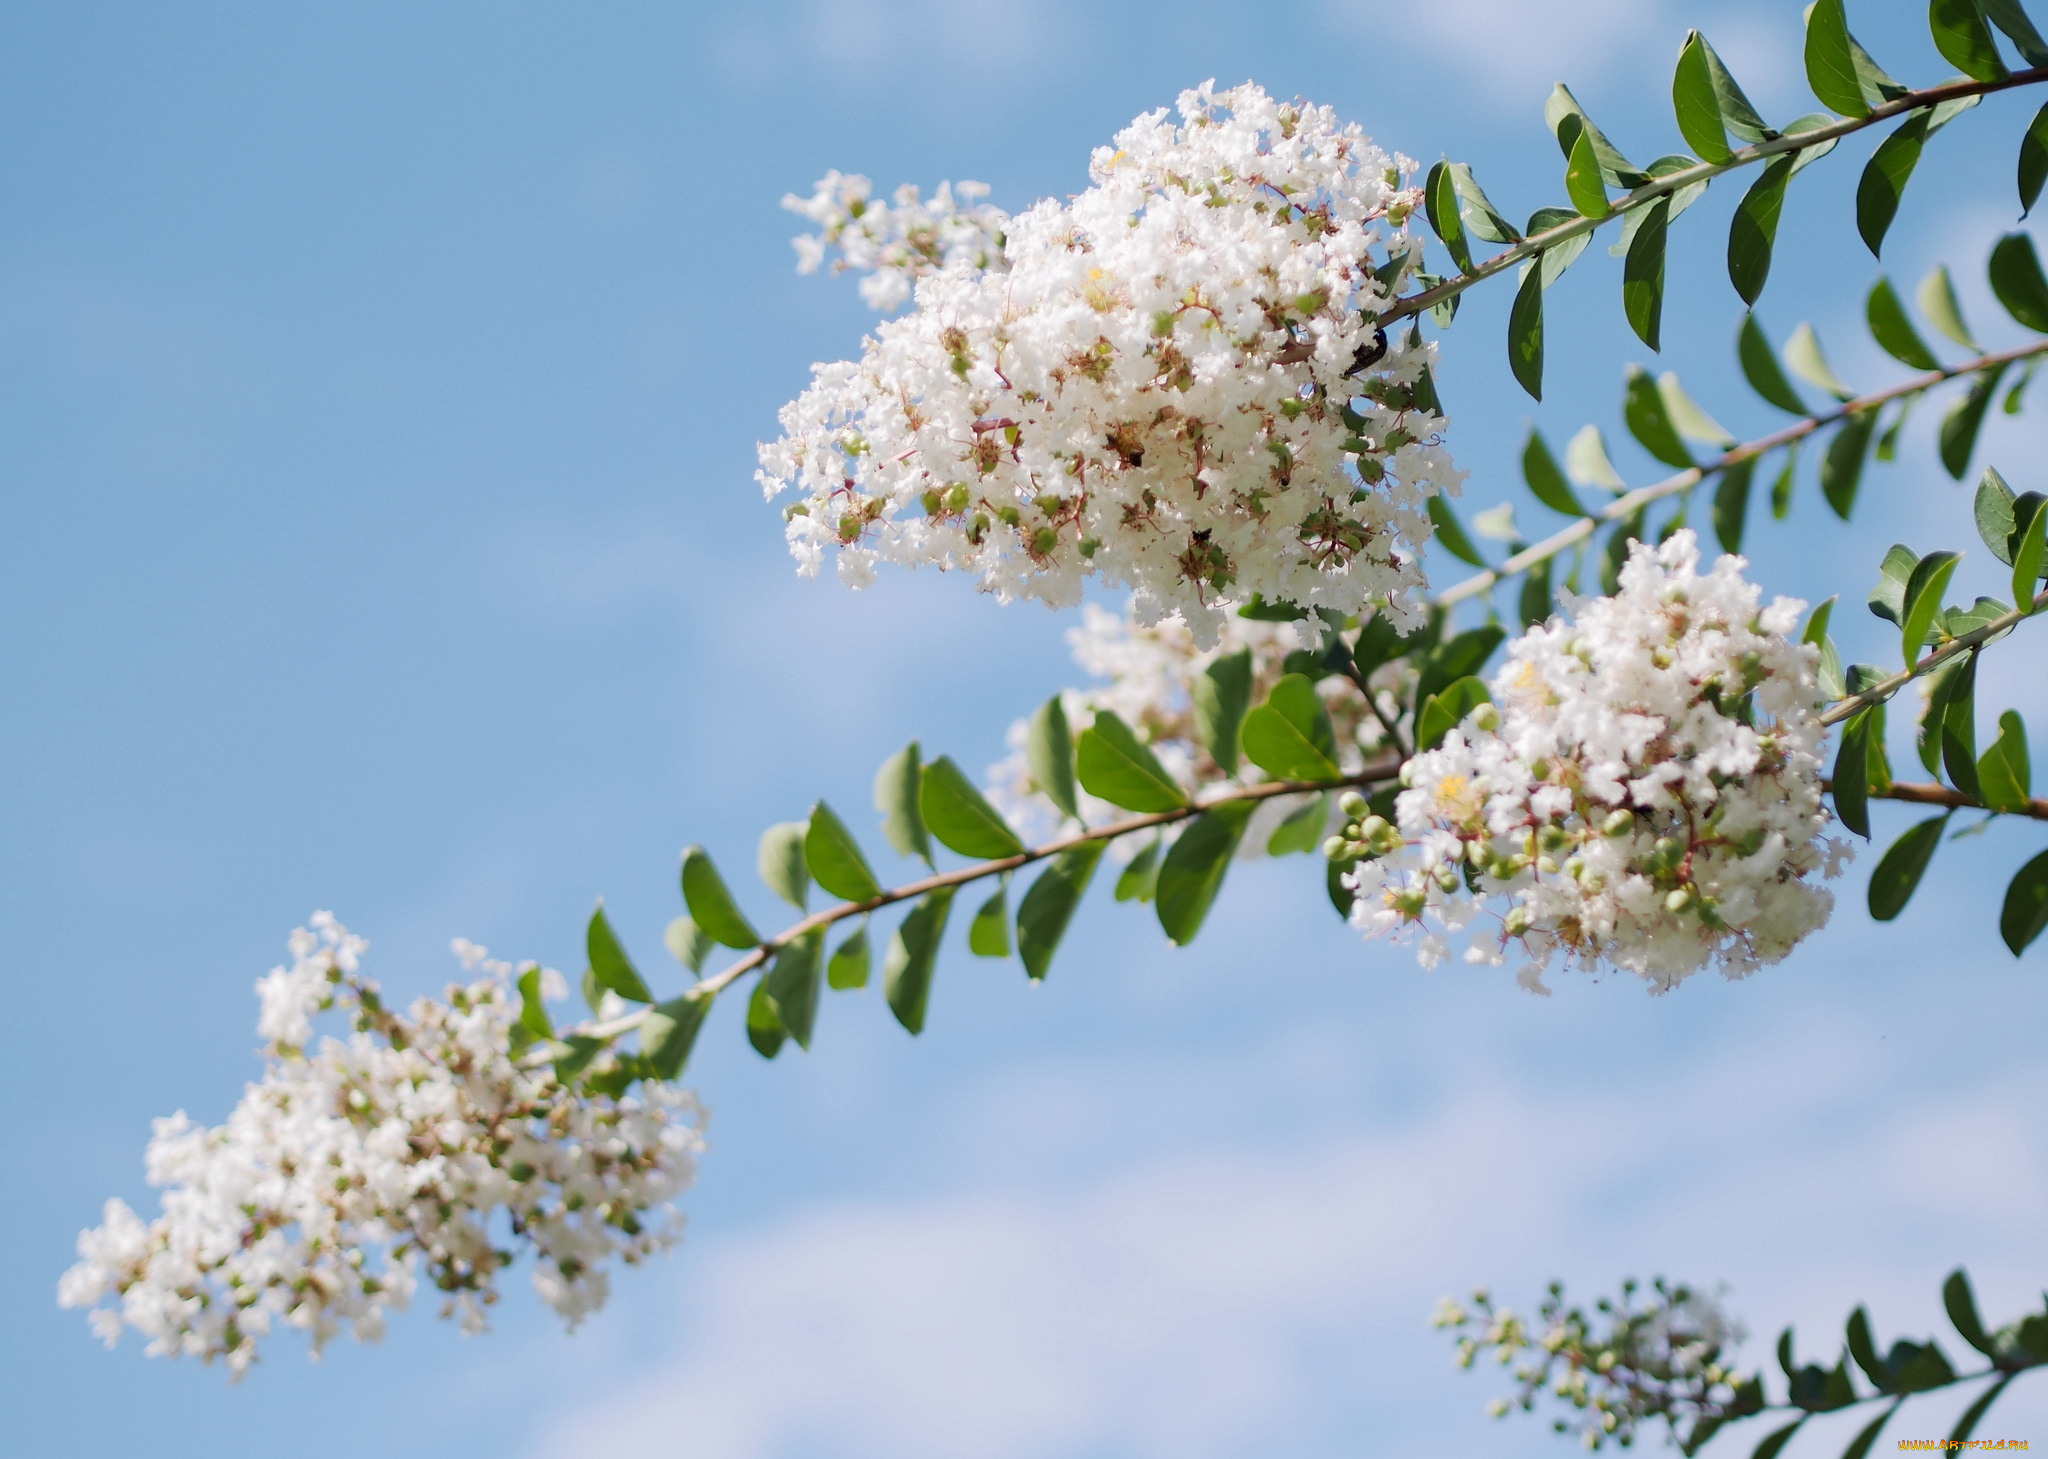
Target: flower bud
[[1618, 823], [1352, 804]]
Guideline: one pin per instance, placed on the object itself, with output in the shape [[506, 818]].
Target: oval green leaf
[[1804, 357], [1138, 880], [1194, 869], [1923, 599], [688, 943], [1043, 915], [988, 935], [961, 818], [1957, 437], [1841, 467], [1852, 772], [608, 961], [1936, 297], [1546, 479], [780, 861], [899, 786], [1964, 40], [1753, 231], [1525, 332], [849, 965], [711, 905], [2016, 279], [1303, 828], [1893, 330], [1451, 534], [2025, 912], [1116, 766], [1290, 736], [913, 952], [2030, 558], [668, 1032], [1830, 64], [1696, 104], [1899, 872], [764, 1025], [1642, 410], [1221, 696], [1444, 711], [1731, 503], [1440, 202], [2004, 776], [2033, 169], [835, 858], [1884, 180], [1642, 275], [792, 983], [1049, 751]]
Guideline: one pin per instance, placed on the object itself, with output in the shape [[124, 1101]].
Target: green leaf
[[1221, 696], [1642, 410], [668, 1032], [764, 1023], [849, 965], [1760, 367], [1864, 1351], [1525, 334], [2009, 17], [1841, 469], [1440, 201], [1451, 534], [1816, 630], [2025, 912], [1537, 599], [1480, 217], [1731, 503], [1141, 876], [1893, 330], [1642, 274], [609, 963], [1693, 423], [1585, 460], [781, 863], [1546, 480], [835, 858], [1996, 521], [913, 951], [1884, 179], [1452, 660], [1444, 711], [1888, 438], [792, 983], [533, 1009], [1049, 751], [2033, 169], [1290, 736], [1043, 915], [1775, 1442], [1697, 103], [688, 943], [1900, 870], [988, 935], [2015, 398], [1959, 428], [899, 787], [1803, 355], [1958, 729], [1830, 65], [711, 905], [1616, 554], [1937, 299], [962, 820], [1961, 1305], [1860, 1445], [1888, 599], [1964, 40], [1923, 599], [1303, 829], [2004, 779], [1967, 1424], [2030, 558], [1568, 123], [1753, 231], [1878, 87], [2016, 279], [1852, 774], [1115, 766], [1194, 868], [582, 1050]]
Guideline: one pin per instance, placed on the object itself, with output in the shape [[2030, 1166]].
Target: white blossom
[[1643, 793], [897, 243], [1170, 382], [419, 1148]]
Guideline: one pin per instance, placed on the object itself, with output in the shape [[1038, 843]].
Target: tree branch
[[1941, 795], [1643, 196], [1624, 506]]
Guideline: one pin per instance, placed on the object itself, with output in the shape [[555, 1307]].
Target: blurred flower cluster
[[420, 1148]]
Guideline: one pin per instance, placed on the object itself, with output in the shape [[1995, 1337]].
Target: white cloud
[[1247, 1298]]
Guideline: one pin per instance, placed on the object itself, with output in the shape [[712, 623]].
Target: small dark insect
[[1369, 354]]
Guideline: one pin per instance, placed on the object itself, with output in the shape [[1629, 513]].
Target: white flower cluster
[[1150, 672], [1172, 383], [352, 1171], [897, 243], [1644, 792]]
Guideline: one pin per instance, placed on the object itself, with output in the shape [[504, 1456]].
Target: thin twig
[[1643, 196], [1955, 800], [1642, 496]]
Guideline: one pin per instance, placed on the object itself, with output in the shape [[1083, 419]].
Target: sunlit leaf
[[1693, 423], [898, 787], [1568, 122], [1546, 481], [1830, 65], [1923, 599], [1141, 876], [1440, 203], [688, 943], [2004, 778], [1116, 766], [669, 1031], [1888, 599], [1585, 460], [835, 857], [988, 935], [1804, 357], [1290, 736], [849, 965], [1303, 828], [960, 817], [1964, 40], [2010, 17], [780, 861], [1478, 213], [1936, 297], [1445, 710], [792, 984], [1222, 693]]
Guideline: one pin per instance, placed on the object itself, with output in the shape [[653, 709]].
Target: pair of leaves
[[1710, 105], [1290, 736], [1444, 710], [1909, 592], [1842, 74], [2015, 528], [1458, 210]]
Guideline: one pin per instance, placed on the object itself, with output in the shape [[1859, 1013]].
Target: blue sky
[[378, 393]]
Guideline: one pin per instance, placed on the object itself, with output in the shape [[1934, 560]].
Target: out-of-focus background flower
[[378, 396]]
